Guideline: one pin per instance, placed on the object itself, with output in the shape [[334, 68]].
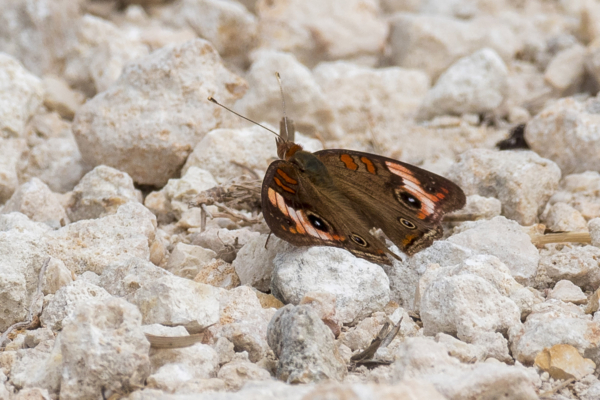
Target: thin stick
[[565, 237], [552, 391], [31, 313], [173, 342], [212, 99]]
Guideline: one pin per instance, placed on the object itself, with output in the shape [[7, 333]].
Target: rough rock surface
[[128, 198], [323, 269], [473, 85], [522, 181], [150, 147], [106, 336], [304, 346]]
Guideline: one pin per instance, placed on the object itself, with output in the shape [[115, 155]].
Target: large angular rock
[[360, 287], [316, 31], [160, 106], [304, 345], [504, 239], [36, 200], [103, 349], [566, 133], [475, 84], [521, 180], [100, 193], [98, 54], [21, 94], [91, 245], [39, 33]]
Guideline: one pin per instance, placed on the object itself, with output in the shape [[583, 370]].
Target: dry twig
[[230, 198], [34, 309]]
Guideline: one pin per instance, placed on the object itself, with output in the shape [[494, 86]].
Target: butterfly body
[[335, 197]]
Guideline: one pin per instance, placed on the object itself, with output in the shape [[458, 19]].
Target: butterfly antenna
[[287, 134], [213, 100]]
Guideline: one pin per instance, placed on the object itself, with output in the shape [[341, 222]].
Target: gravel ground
[[133, 255]]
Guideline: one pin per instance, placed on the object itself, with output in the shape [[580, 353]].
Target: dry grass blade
[[34, 310], [173, 342], [551, 392], [565, 237]]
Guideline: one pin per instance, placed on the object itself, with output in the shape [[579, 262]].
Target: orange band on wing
[[369, 164], [349, 161], [286, 177], [281, 185]]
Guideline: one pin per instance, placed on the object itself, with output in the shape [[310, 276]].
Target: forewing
[[406, 202]]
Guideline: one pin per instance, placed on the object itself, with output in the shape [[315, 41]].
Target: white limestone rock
[[594, 228], [53, 155], [39, 33], [305, 101], [471, 301], [199, 361], [243, 321], [480, 207], [228, 25], [424, 359], [304, 346], [254, 264], [253, 147], [504, 239], [171, 202], [580, 191], [57, 275], [91, 245], [475, 84], [362, 98], [162, 297], [568, 292], [580, 265], [59, 97], [36, 200], [98, 54], [239, 372], [561, 217], [521, 180], [67, 299], [10, 153], [360, 286], [22, 254], [566, 70], [404, 276], [566, 133], [432, 43], [148, 146], [39, 366], [100, 193], [21, 94], [103, 336], [554, 322], [314, 31], [187, 260]]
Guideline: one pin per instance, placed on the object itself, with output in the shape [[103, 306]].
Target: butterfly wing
[[305, 213], [406, 202]]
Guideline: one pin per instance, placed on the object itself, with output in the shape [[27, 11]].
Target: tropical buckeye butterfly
[[335, 197]]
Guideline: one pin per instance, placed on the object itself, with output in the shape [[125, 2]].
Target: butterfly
[[335, 197]]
